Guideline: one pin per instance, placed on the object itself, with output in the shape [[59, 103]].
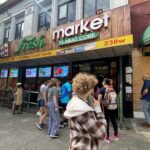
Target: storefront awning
[[73, 57], [145, 39], [114, 47]]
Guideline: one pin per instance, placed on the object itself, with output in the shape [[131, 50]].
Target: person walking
[[43, 104], [108, 98], [145, 96], [17, 98], [66, 95], [87, 124], [53, 105]]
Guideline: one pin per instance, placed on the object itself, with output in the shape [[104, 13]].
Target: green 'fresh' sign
[[31, 43], [79, 38]]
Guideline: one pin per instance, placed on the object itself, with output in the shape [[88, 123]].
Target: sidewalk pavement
[[19, 132]]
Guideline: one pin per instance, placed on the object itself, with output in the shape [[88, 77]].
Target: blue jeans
[[146, 110], [53, 120]]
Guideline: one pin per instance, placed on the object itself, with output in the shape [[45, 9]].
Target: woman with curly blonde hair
[[87, 124]]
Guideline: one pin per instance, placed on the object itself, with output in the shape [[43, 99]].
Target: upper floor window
[[6, 35], [19, 30], [67, 12], [44, 21], [90, 6]]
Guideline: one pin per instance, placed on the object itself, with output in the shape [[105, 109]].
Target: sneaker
[[61, 126], [146, 125], [65, 123], [39, 126], [54, 136], [107, 140], [44, 125], [115, 138], [38, 114]]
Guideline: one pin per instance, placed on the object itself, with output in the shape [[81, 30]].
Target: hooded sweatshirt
[[87, 126]]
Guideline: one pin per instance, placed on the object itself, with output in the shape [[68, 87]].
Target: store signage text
[[81, 48], [118, 41], [4, 50], [82, 27], [29, 56], [79, 38], [31, 43], [124, 40]]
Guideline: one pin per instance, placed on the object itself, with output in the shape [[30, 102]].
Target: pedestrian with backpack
[[108, 98]]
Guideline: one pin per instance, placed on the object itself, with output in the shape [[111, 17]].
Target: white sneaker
[[115, 138], [54, 136], [39, 126], [107, 140], [38, 113], [61, 126]]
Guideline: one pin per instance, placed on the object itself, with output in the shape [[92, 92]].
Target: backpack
[[110, 99]]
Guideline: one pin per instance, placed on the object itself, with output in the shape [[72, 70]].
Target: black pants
[[111, 115]]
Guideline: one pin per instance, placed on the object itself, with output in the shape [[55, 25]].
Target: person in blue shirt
[[145, 96], [66, 92], [66, 95]]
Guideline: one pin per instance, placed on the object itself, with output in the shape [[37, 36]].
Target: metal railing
[[29, 98]]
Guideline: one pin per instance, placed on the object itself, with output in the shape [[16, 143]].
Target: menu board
[[61, 71], [4, 73], [13, 73], [45, 72], [31, 73]]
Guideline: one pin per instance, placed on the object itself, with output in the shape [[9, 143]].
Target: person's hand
[[56, 109], [46, 104], [96, 103], [99, 97], [97, 106]]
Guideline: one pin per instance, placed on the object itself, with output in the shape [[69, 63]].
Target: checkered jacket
[[86, 127]]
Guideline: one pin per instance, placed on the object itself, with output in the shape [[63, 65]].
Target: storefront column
[[1, 32], [28, 21], [120, 92], [70, 69], [79, 9], [54, 13], [35, 19], [12, 29]]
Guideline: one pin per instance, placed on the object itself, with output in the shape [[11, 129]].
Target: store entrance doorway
[[101, 68]]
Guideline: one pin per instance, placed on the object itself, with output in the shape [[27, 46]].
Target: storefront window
[[19, 30], [90, 6], [85, 68], [67, 12], [44, 20], [6, 35], [103, 4], [72, 11]]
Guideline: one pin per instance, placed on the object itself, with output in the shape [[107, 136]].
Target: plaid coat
[[86, 127]]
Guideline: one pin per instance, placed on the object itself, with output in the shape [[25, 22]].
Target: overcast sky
[[2, 1]]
